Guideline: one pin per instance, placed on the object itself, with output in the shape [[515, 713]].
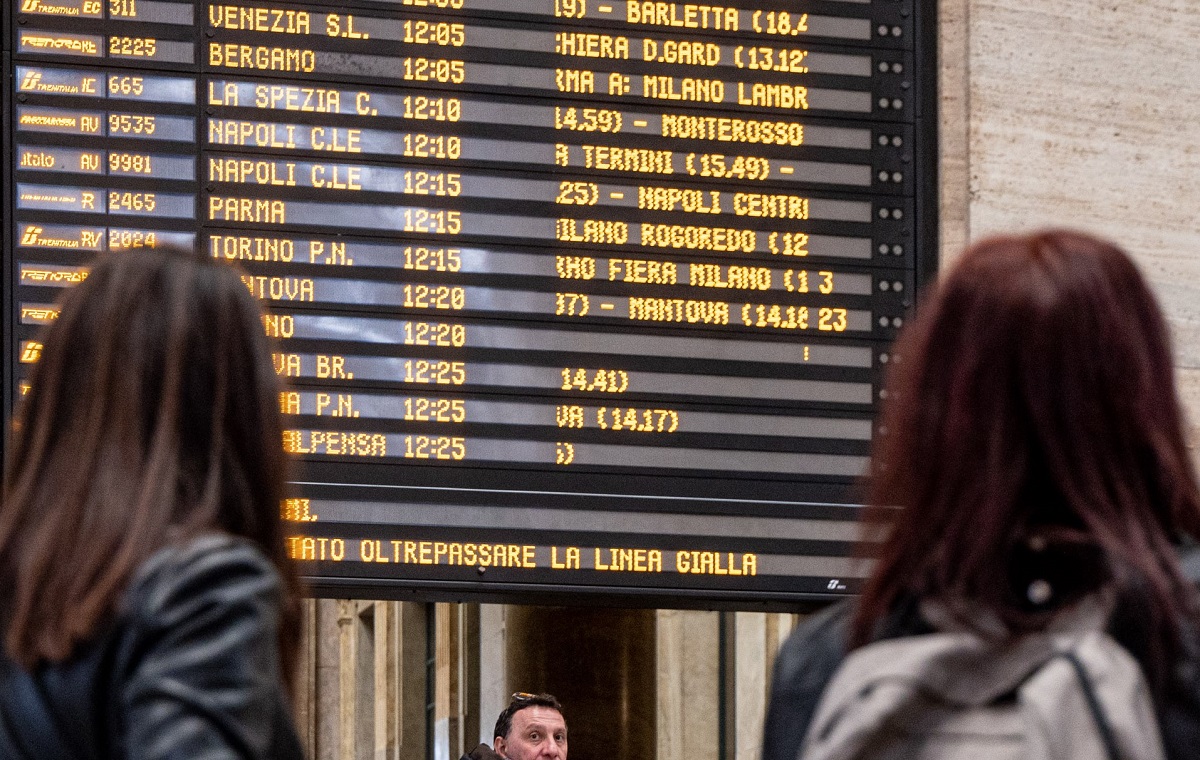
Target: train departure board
[[574, 299]]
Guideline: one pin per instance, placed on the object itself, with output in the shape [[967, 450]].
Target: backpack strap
[[1103, 727]]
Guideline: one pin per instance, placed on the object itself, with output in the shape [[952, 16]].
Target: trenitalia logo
[[91, 8], [31, 236], [31, 351], [30, 82]]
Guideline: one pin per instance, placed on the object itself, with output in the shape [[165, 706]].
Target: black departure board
[[575, 299]]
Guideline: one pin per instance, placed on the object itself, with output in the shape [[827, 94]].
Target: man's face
[[538, 733]]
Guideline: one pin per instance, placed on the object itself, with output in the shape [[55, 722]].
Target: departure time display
[[570, 296]]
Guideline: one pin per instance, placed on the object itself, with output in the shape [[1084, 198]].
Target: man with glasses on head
[[530, 728]]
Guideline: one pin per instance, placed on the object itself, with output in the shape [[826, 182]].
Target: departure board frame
[[578, 302], [7, 369]]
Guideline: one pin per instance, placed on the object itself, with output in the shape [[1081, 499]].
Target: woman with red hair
[[1030, 456]]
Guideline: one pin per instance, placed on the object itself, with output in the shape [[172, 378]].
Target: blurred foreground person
[[147, 607], [1030, 484]]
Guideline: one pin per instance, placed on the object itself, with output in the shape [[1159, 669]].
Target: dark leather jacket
[[189, 668], [482, 752], [808, 659]]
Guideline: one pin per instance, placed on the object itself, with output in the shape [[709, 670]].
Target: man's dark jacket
[[482, 752]]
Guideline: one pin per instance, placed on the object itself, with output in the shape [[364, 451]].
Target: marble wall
[[1083, 113]]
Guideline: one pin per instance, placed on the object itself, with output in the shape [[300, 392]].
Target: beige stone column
[[305, 688], [954, 103], [688, 664], [449, 682], [493, 670], [400, 677], [752, 640], [328, 728], [362, 680]]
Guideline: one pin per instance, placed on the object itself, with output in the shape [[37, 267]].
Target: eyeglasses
[[522, 696]]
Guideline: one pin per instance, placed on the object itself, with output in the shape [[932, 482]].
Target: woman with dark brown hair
[[147, 607], [1030, 456]]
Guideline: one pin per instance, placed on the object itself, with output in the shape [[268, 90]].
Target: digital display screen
[[573, 299]]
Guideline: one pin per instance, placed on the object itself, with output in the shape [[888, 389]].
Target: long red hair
[[1035, 396]]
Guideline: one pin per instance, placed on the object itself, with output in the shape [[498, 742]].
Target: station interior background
[[1079, 113]]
